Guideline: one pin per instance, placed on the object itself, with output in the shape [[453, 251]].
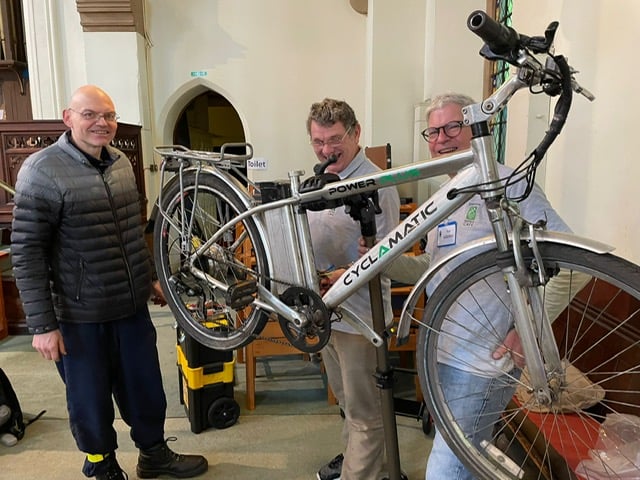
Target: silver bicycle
[[229, 257]]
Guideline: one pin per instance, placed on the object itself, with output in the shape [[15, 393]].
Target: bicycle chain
[[270, 339]]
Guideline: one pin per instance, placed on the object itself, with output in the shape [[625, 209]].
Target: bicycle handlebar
[[554, 77], [499, 38], [504, 43]]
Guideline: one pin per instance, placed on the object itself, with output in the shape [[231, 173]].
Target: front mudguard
[[479, 246]]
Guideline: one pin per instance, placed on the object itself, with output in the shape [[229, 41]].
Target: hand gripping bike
[[228, 259]]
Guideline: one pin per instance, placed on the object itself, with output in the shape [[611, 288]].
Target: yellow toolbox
[[206, 379]]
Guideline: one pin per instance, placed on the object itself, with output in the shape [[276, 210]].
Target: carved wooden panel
[[14, 82], [18, 140]]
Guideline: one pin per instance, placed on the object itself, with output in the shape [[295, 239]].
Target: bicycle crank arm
[[365, 330], [273, 304]]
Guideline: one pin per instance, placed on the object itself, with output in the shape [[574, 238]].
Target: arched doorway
[[207, 122]]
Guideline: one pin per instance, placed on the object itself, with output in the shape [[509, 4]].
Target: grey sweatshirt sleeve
[[408, 268]]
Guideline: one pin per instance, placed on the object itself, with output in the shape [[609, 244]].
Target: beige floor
[[289, 435]]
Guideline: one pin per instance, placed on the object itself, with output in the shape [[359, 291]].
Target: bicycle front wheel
[[212, 294], [485, 409]]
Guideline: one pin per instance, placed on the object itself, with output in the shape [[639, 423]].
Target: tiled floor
[[289, 435]]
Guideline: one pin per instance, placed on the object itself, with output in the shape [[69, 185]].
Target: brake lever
[[319, 168], [580, 89], [550, 65]]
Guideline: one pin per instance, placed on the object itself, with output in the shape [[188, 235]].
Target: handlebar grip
[[499, 38]]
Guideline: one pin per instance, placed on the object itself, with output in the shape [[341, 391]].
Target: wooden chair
[[380, 155], [264, 348]]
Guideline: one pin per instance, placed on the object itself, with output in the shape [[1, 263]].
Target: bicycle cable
[[553, 83]]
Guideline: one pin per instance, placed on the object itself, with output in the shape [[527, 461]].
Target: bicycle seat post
[[303, 234]]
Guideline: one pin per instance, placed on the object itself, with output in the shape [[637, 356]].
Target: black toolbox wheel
[[223, 412]]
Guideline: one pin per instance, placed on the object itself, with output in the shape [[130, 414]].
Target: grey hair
[[330, 111], [444, 99]]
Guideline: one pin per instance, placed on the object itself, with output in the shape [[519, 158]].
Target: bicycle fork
[[533, 326]]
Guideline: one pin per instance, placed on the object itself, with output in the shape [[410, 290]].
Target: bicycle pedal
[[241, 294]]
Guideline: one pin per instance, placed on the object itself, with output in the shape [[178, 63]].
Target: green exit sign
[[199, 73]]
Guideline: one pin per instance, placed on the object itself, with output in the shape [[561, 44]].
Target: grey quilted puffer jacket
[[77, 244]]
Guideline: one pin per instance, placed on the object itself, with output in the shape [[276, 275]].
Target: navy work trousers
[[116, 359]]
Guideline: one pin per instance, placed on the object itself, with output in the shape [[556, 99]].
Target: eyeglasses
[[92, 116], [451, 130], [332, 142]]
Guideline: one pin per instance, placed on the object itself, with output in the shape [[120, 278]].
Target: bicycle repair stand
[[363, 209]]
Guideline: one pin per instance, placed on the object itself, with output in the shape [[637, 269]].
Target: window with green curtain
[[501, 11]]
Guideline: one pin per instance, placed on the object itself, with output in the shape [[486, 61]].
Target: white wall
[[55, 49], [271, 59], [592, 169], [452, 64], [395, 76]]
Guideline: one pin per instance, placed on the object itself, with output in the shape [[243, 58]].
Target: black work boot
[[113, 471], [107, 469], [161, 460]]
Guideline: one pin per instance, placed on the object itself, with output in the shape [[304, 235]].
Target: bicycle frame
[[400, 240], [474, 166]]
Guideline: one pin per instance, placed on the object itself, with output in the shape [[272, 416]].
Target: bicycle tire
[[238, 258], [582, 331]]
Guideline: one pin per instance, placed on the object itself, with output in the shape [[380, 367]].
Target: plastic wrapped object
[[617, 453]]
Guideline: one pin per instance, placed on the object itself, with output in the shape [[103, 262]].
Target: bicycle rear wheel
[[210, 295], [466, 318]]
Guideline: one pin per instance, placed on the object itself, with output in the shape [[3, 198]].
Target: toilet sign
[[257, 163]]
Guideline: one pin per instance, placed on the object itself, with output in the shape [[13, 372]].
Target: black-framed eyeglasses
[[331, 142], [92, 116], [451, 130]]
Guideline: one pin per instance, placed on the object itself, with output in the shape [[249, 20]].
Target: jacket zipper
[[120, 242]]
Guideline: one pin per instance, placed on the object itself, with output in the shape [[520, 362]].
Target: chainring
[[314, 336]]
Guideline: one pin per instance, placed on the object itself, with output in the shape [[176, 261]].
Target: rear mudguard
[[475, 248]]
